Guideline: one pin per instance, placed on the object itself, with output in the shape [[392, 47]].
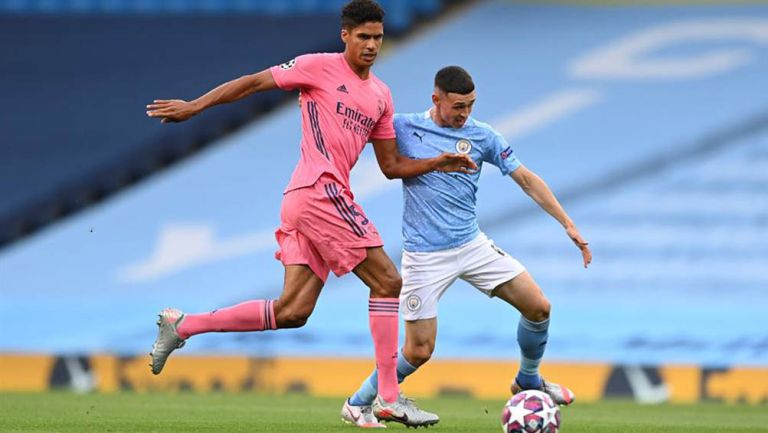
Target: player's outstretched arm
[[538, 190], [396, 166], [178, 110]]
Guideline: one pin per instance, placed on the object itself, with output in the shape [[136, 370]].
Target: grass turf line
[[226, 413]]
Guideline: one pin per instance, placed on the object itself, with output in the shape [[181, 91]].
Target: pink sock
[[248, 316], [382, 315]]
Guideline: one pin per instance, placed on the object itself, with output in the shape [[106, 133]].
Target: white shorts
[[427, 275]]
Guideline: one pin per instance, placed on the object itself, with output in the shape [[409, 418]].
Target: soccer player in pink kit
[[322, 228]]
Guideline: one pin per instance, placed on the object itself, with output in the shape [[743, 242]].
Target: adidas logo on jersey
[[342, 88]]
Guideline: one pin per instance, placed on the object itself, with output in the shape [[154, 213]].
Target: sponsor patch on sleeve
[[288, 65]]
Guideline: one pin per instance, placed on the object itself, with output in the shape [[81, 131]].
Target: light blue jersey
[[439, 211]]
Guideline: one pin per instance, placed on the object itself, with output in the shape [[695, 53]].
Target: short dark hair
[[359, 12], [454, 79]]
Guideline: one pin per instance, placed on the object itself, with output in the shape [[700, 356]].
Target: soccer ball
[[530, 412]]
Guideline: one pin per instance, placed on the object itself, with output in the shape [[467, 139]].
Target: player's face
[[453, 108], [363, 43]]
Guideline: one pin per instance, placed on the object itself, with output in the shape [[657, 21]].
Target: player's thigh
[[486, 266], [301, 288], [426, 277], [420, 337], [297, 249], [523, 293], [379, 273], [333, 226]]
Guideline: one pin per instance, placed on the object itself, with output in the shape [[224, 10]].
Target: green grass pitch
[[249, 413]]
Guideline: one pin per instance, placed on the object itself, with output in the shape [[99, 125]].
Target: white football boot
[[361, 416], [404, 411], [559, 393], [168, 338]]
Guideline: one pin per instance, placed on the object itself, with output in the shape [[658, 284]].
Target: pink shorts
[[322, 227]]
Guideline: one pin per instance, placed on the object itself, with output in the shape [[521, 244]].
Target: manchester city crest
[[413, 302], [463, 146]]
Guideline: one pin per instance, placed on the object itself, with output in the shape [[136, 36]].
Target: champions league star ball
[[530, 412]]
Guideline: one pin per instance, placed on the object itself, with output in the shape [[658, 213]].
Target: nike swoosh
[[353, 415], [403, 418], [393, 417]]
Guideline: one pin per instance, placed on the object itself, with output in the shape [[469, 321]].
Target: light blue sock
[[368, 390], [532, 338]]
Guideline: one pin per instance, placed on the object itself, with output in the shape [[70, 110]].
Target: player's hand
[[173, 110], [452, 162], [583, 245]]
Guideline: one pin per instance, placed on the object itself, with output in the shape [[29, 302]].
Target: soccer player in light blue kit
[[442, 241]]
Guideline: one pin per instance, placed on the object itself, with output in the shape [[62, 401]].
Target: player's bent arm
[[237, 89], [396, 166], [177, 110], [538, 190]]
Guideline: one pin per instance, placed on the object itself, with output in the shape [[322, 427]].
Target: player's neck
[[436, 118], [361, 71]]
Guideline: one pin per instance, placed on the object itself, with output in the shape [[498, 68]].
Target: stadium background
[[650, 122]]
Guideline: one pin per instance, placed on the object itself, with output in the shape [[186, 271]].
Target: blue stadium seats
[[75, 89], [400, 13], [59, 51]]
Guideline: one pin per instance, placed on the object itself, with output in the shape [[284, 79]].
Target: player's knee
[[292, 317], [420, 355], [390, 285], [541, 310], [395, 284], [292, 321]]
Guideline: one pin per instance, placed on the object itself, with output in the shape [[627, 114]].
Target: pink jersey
[[340, 113]]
